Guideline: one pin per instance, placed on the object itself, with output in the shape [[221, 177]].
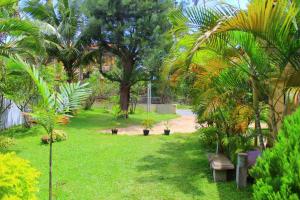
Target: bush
[[238, 143], [277, 171], [6, 142], [148, 124], [18, 180], [58, 136], [95, 83], [45, 139], [208, 136]]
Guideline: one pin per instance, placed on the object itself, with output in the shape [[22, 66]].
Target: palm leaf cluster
[[67, 98], [62, 27], [259, 42], [17, 36]]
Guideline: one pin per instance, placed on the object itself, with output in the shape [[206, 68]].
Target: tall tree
[[269, 27], [17, 36], [132, 31], [61, 23]]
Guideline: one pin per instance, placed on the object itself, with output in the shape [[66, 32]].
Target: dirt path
[[186, 123]]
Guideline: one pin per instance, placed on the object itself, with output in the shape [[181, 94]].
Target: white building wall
[[11, 117]]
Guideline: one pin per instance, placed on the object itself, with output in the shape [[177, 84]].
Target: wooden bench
[[220, 164]]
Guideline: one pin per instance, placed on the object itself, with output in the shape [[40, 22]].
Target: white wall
[[11, 117], [160, 108]]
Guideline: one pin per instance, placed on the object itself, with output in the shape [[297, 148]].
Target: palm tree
[[268, 25], [17, 36], [62, 26], [61, 101]]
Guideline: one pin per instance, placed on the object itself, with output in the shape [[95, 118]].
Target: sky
[[212, 3], [242, 3]]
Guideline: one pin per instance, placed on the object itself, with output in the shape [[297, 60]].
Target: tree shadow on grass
[[178, 164], [183, 164], [100, 121], [21, 132]]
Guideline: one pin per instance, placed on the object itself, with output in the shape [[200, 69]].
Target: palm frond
[[71, 96], [4, 3], [17, 64]]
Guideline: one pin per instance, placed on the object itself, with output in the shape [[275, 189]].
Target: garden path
[[185, 123]]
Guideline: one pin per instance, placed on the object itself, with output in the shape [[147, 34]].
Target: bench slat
[[220, 162]]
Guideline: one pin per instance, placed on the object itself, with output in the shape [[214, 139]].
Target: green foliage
[[67, 98], [238, 143], [19, 36], [52, 74], [71, 96], [148, 123], [95, 84], [208, 136], [117, 112], [165, 168], [62, 28], [6, 142], [57, 136], [133, 32], [277, 171], [18, 180]]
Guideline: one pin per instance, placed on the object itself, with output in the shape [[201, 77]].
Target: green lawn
[[183, 106], [93, 166]]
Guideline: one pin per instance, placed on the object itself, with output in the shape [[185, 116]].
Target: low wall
[[160, 108]]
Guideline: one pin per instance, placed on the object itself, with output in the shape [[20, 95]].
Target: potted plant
[[167, 129], [114, 131], [148, 124]]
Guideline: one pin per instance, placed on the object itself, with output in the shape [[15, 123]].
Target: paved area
[[186, 123]]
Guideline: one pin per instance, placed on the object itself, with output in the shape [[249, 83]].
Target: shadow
[[100, 120], [177, 163], [22, 132], [183, 164]]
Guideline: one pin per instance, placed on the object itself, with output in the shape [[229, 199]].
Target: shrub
[[148, 124], [277, 171], [18, 180], [58, 136], [6, 142], [117, 112], [235, 144], [208, 136], [95, 83], [45, 139]]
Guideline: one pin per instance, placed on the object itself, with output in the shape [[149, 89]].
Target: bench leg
[[220, 175]]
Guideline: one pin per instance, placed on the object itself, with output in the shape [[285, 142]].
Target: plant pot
[[167, 132], [146, 132], [114, 131]]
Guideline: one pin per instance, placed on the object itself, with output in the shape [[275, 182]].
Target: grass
[[183, 106], [93, 166], [99, 119]]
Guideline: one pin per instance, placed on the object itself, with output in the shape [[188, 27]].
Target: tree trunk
[[50, 166], [70, 75], [256, 108], [124, 98], [69, 70], [273, 122]]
